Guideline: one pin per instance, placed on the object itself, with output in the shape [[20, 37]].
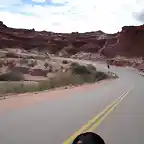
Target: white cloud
[[77, 15], [38, 0], [59, 1], [2, 6], [9, 2]]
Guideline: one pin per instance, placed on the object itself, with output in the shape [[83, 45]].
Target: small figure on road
[[108, 66]]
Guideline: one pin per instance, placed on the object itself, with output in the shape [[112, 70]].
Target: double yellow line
[[96, 121]]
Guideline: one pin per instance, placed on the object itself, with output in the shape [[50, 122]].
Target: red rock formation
[[54, 42], [129, 42], [2, 25]]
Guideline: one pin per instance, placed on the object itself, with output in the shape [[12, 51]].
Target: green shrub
[[74, 64], [91, 68], [100, 76], [11, 76], [65, 62], [17, 88], [79, 69]]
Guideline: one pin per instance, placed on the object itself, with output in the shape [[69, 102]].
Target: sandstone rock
[[90, 47], [63, 53], [2, 25], [23, 61], [24, 70], [38, 72], [52, 42], [129, 42], [32, 62]]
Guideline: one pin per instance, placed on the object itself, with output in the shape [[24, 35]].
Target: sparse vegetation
[[81, 69], [65, 62], [17, 88], [11, 76], [44, 72], [77, 75]]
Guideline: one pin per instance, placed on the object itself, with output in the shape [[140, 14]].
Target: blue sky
[[44, 2], [72, 15]]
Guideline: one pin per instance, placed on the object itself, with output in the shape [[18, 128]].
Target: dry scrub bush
[[77, 75], [81, 69], [65, 62], [11, 76]]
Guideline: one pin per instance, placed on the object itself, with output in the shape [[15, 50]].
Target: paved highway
[[113, 109]]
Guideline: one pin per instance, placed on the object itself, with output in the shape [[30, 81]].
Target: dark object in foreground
[[88, 138]]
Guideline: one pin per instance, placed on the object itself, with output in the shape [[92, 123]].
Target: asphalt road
[[54, 121]]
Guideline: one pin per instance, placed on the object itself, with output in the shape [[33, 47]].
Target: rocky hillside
[[129, 42], [53, 42]]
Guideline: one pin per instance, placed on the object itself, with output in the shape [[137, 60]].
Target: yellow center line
[[94, 126], [96, 121]]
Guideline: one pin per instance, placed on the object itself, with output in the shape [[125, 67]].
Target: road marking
[[96, 121], [94, 126]]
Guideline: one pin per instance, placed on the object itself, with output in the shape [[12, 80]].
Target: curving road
[[55, 121]]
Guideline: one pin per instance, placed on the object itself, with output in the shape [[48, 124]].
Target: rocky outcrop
[[24, 70], [53, 42], [2, 25], [129, 42], [38, 72]]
